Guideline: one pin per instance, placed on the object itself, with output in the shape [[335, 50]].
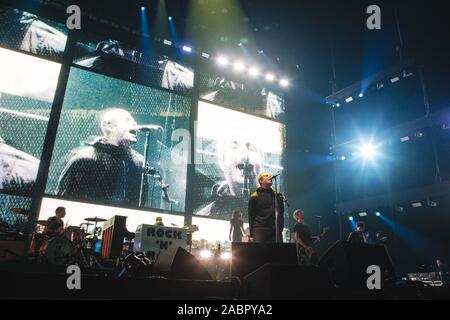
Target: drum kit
[[75, 245]]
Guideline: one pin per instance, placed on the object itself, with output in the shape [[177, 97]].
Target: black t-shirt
[[356, 237], [54, 223], [303, 233]]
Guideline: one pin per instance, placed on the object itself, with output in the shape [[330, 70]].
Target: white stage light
[[222, 61], [254, 72], [205, 254], [270, 77], [284, 82], [239, 66]]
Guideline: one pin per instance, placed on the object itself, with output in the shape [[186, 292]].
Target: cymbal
[[95, 219], [21, 211], [43, 222]]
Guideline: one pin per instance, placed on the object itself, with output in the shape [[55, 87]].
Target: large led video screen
[[118, 59], [15, 214], [248, 96], [27, 32], [232, 148], [27, 88], [106, 126]]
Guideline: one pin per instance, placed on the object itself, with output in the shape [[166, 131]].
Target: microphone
[[275, 175], [149, 127]]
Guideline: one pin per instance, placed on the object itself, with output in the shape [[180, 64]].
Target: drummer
[[55, 225]]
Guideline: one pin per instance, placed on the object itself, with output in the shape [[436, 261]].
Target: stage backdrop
[[117, 101]]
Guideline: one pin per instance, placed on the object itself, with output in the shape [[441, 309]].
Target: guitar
[[311, 256]]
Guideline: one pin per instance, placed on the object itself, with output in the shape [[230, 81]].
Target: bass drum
[[60, 251]]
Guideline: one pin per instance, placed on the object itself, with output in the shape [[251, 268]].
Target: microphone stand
[[144, 168], [277, 233]]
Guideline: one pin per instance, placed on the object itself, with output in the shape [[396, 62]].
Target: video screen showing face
[[232, 148], [78, 212], [27, 88], [27, 32], [118, 59], [241, 95], [115, 142]]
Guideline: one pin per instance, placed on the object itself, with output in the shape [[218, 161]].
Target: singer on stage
[[262, 213], [107, 170]]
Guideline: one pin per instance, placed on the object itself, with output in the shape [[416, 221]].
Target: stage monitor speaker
[[275, 281], [177, 263], [249, 256], [348, 264]]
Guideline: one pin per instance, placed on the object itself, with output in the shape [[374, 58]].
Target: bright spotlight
[[142, 8], [239, 66], [284, 82], [222, 61], [170, 18], [225, 255], [338, 105], [361, 95], [206, 254], [205, 55], [378, 214], [270, 77], [363, 214], [342, 158], [350, 218], [254, 72], [349, 99], [187, 49], [167, 42], [367, 151]]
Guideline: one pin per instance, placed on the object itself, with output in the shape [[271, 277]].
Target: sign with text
[[157, 238]]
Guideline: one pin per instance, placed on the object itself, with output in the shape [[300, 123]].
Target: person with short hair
[[262, 213], [303, 240], [55, 225], [108, 170], [358, 235]]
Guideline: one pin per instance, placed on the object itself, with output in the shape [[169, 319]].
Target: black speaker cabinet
[[348, 262], [275, 281], [177, 263], [249, 256]]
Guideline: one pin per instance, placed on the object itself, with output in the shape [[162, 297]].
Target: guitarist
[[304, 241]]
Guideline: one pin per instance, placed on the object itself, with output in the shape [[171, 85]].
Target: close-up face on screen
[[232, 148], [108, 128]]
